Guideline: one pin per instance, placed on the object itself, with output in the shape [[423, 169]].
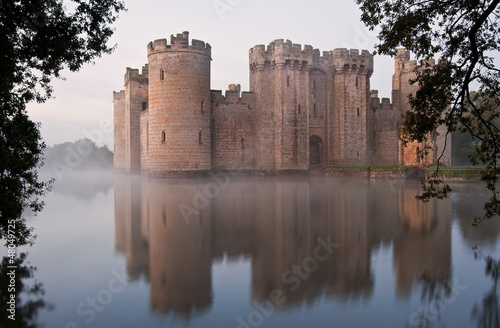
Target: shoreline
[[451, 174]]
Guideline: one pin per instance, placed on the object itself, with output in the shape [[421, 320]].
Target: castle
[[303, 108]]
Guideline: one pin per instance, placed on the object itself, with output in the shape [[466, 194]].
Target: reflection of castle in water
[[276, 222]]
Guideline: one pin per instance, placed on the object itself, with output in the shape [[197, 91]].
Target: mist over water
[[236, 251]]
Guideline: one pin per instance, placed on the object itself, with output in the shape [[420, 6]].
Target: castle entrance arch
[[315, 150]]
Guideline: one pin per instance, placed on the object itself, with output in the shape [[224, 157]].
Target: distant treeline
[[80, 155]]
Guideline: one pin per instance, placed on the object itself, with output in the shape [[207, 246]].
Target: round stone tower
[[178, 129]]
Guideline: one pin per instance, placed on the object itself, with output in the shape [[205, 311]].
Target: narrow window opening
[[242, 143], [314, 84], [299, 109], [314, 109], [288, 81], [144, 105], [162, 75], [202, 105], [358, 111], [200, 137], [163, 137], [357, 81]]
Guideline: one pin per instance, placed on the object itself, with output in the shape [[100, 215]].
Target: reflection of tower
[[350, 266], [180, 248], [291, 216], [130, 238], [286, 236], [233, 216], [277, 222], [422, 250]]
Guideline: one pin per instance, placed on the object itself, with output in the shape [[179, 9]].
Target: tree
[[464, 35], [29, 294], [80, 155], [39, 39]]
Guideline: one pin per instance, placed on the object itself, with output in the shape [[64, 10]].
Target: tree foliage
[[464, 35], [39, 39], [77, 156], [29, 293]]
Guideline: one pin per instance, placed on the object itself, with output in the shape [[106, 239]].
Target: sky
[[83, 103]]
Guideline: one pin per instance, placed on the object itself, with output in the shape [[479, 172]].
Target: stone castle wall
[[179, 100], [233, 130], [136, 95], [402, 88], [352, 72], [119, 130], [304, 107], [385, 131]]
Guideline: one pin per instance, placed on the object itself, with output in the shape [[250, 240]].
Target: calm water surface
[[228, 251]]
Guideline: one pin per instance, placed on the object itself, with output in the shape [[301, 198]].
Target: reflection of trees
[[465, 207], [29, 297], [487, 315], [84, 185], [435, 295], [422, 252]]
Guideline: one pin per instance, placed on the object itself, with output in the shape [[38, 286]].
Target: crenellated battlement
[[280, 52], [232, 96], [132, 74], [179, 42], [120, 95], [405, 64], [377, 104], [343, 59]]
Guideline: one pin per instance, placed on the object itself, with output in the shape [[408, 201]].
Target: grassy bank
[[374, 171], [460, 173], [467, 173]]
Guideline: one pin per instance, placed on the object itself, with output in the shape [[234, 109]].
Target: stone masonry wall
[[292, 143], [352, 72], [136, 97], [412, 153], [168, 120], [119, 130], [144, 120], [262, 82], [385, 132], [179, 101], [233, 130]]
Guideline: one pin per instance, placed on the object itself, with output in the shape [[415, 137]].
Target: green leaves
[[39, 39], [463, 35]]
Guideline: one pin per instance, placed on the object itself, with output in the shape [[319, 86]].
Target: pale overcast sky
[[83, 104]]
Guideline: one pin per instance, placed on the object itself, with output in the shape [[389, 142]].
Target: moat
[[296, 251]]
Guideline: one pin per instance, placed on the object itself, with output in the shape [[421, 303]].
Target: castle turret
[[280, 77], [179, 99], [413, 153], [128, 105], [352, 72]]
